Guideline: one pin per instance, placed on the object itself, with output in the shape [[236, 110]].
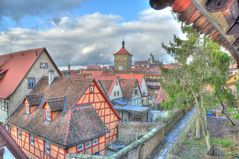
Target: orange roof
[[123, 50], [15, 67], [139, 77]]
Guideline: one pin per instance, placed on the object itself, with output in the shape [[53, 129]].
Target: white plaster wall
[[115, 89]]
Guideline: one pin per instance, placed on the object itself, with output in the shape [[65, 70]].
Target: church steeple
[[123, 43]]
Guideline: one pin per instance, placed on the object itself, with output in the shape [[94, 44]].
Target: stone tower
[[122, 59]]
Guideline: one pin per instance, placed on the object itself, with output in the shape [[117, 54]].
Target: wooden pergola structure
[[218, 19]]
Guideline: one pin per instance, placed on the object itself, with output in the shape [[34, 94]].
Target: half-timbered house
[[64, 115]]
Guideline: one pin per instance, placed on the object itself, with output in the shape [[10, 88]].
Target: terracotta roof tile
[[56, 104], [123, 51]]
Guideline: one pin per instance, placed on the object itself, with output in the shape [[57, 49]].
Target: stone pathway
[[174, 134]]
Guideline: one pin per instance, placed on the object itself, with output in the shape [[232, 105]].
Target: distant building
[[151, 62], [122, 59], [65, 115], [19, 73]]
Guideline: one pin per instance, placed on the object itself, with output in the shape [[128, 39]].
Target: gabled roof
[[107, 82], [9, 142], [73, 125], [14, 68], [106, 85], [128, 86]]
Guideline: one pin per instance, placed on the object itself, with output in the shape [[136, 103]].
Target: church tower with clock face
[[122, 59]]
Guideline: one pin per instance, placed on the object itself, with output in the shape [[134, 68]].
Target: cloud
[[94, 38], [17, 9]]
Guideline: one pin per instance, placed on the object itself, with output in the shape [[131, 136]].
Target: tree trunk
[[206, 129], [198, 132]]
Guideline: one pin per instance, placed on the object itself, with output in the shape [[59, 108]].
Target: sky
[[81, 32]]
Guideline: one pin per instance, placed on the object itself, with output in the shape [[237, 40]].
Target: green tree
[[200, 77]]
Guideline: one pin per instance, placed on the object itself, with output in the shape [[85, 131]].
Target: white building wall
[[116, 88], [136, 99]]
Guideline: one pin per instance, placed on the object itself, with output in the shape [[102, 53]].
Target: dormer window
[[48, 114]]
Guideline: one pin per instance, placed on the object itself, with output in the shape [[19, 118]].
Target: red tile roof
[[123, 51], [16, 66], [9, 142]]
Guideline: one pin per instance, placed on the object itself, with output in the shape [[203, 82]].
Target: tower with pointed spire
[[122, 59]]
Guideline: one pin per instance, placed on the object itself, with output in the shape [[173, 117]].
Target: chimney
[[51, 77], [69, 70]]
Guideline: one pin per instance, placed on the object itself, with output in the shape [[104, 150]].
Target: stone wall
[[131, 131]]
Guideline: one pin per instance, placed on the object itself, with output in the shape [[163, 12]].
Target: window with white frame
[[88, 144], [114, 93], [95, 141], [19, 133], [117, 93], [48, 114], [80, 147], [27, 109], [47, 146], [4, 105], [32, 139]]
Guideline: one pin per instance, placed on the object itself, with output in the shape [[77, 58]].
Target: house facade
[[131, 91], [111, 86], [19, 73], [67, 115]]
